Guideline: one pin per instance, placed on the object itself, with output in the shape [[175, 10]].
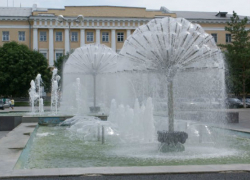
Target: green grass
[[46, 103]]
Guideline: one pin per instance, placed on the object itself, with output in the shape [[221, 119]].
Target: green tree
[[238, 55], [59, 63], [18, 66]]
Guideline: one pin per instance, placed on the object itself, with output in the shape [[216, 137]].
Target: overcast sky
[[242, 7]]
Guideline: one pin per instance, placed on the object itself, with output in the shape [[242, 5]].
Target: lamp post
[[79, 19]]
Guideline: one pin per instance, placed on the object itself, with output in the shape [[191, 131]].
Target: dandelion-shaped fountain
[[78, 92], [91, 59], [167, 46]]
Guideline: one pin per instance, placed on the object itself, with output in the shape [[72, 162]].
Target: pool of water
[[56, 147]]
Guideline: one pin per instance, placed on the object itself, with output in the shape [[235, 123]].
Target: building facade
[[39, 28]]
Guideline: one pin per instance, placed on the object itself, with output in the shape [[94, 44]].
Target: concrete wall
[[8, 123]]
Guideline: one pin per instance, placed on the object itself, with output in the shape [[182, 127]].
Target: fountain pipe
[[94, 76], [56, 99], [32, 106], [78, 84], [170, 107], [103, 135], [200, 134], [98, 132]]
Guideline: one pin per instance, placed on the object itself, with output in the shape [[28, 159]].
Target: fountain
[[55, 90], [78, 96], [89, 61], [170, 45], [39, 90], [129, 120], [35, 94], [162, 67]]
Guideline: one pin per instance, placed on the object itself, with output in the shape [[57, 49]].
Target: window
[[74, 36], [90, 37], [58, 36], [6, 36], [215, 37], [44, 54], [43, 36], [21, 35], [222, 14], [105, 37], [228, 38], [120, 36], [58, 55]]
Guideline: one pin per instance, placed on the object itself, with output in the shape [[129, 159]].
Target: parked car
[[1, 104], [198, 103], [182, 103], [234, 103], [248, 102], [7, 103]]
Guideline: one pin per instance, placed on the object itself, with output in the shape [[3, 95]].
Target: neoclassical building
[[40, 29]]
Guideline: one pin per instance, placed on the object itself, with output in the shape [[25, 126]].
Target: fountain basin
[[55, 147], [10, 157], [94, 109]]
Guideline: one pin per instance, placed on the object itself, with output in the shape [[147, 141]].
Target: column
[[66, 40], [113, 40], [51, 47], [82, 37], [128, 33], [35, 39], [98, 34]]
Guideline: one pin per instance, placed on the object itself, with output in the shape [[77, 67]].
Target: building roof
[[15, 11], [26, 11], [203, 15]]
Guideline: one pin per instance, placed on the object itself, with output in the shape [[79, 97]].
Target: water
[[35, 94], [170, 46], [88, 63], [57, 147], [135, 124], [55, 91]]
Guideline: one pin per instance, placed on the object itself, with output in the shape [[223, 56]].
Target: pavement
[[193, 176], [3, 133], [244, 120], [17, 109], [21, 109]]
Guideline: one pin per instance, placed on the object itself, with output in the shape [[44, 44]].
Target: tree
[[238, 55], [18, 66], [59, 63]]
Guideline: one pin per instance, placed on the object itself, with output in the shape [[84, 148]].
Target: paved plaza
[[21, 109]]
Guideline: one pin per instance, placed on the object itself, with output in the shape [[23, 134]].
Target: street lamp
[[61, 18]]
